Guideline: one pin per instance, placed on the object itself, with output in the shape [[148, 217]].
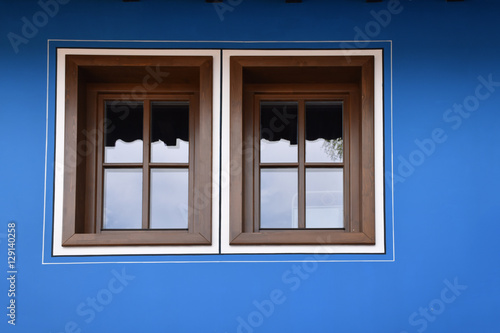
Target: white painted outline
[[335, 42], [46, 154]]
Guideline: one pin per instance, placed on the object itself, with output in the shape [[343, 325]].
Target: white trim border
[[58, 249], [379, 246]]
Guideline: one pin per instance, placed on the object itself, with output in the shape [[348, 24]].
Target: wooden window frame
[[359, 185], [83, 182]]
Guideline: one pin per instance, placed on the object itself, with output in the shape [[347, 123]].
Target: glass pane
[[123, 132], [278, 132], [170, 132], [122, 207], [324, 198], [169, 199], [324, 139], [278, 198]]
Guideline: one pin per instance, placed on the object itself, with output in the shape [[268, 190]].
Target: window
[[137, 163], [148, 141], [301, 156]]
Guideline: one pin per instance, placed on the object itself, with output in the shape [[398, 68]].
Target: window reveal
[[150, 153]]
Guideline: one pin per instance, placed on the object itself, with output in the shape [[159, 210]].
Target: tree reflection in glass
[[324, 134]]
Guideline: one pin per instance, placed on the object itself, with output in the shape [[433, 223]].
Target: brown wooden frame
[[356, 90], [85, 96]]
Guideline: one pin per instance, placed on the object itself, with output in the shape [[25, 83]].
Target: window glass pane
[[123, 132], [169, 199], [324, 139], [324, 198], [278, 198], [122, 207], [170, 132], [278, 132]]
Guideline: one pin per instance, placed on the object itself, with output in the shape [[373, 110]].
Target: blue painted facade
[[441, 101]]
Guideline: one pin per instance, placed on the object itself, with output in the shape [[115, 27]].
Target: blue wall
[[445, 274]]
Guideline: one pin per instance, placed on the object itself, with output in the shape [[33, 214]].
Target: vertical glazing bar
[[301, 139], [146, 123]]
